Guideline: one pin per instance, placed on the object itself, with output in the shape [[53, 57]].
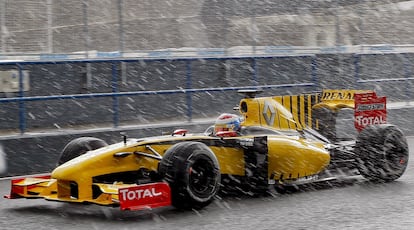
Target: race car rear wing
[[369, 110], [319, 110]]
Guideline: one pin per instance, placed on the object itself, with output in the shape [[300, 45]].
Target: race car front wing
[[126, 196]]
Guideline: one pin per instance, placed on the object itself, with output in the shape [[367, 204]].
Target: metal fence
[[83, 27], [187, 89], [120, 91]]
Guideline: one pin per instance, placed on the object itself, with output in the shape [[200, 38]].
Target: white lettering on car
[[364, 121], [246, 142], [378, 106], [139, 194]]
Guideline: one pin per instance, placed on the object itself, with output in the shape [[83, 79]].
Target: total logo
[[139, 194], [365, 121], [145, 196]]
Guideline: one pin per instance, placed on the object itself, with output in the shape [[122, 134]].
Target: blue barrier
[[115, 93], [407, 69]]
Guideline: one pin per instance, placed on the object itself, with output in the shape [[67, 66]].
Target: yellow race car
[[273, 141]]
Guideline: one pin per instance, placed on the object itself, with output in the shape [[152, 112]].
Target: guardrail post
[[115, 99], [357, 60], [22, 107], [188, 85], [314, 74], [254, 67], [407, 73]]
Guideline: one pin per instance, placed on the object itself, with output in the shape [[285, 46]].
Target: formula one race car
[[273, 142]]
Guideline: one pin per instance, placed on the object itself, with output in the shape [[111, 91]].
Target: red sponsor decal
[[181, 132], [369, 110], [226, 134], [145, 196]]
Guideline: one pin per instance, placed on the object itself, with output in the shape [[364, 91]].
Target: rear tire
[[80, 146], [383, 153], [193, 173]]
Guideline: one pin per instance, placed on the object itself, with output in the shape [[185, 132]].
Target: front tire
[[80, 146], [383, 153], [193, 173]]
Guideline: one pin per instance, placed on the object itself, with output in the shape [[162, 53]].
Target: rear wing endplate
[[369, 110]]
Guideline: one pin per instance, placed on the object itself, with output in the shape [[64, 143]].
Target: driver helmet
[[227, 122]]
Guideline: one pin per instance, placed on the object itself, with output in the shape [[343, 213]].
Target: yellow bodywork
[[289, 154], [81, 170], [293, 159]]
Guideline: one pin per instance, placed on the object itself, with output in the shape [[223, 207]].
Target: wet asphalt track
[[360, 205]]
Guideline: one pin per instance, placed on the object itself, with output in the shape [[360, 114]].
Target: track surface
[[360, 205]]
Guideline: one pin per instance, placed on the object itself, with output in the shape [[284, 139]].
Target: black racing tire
[[80, 146], [382, 153], [193, 173]]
